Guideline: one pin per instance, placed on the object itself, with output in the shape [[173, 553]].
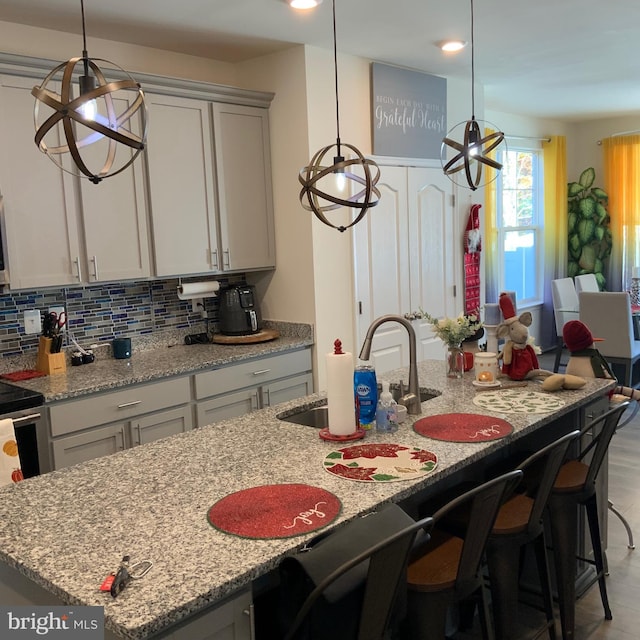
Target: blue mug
[[121, 348]]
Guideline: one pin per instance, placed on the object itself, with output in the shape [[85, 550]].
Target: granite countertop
[[68, 529], [162, 358]]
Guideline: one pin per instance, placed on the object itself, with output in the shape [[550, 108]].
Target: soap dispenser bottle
[[386, 414]]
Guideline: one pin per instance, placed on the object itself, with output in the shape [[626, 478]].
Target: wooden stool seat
[[437, 568], [513, 516], [571, 477]]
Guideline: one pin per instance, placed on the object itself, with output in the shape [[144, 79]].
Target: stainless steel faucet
[[412, 399]]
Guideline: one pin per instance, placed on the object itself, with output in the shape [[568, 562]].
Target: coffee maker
[[238, 311]]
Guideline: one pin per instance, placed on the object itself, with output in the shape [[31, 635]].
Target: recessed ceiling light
[[451, 46], [304, 4]]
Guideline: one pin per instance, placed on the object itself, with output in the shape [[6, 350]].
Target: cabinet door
[[287, 389], [94, 443], [230, 405], [40, 207], [231, 620], [115, 216], [181, 186], [161, 425], [243, 171]]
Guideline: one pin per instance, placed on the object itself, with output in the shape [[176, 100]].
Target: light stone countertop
[[166, 357], [67, 529]]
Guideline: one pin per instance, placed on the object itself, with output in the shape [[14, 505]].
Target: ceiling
[[569, 60]]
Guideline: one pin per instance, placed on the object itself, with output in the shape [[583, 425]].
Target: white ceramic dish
[[486, 385]]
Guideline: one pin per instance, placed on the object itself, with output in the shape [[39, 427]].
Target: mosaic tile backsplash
[[105, 311]]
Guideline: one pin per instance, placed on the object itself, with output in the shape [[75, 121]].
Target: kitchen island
[[62, 533]]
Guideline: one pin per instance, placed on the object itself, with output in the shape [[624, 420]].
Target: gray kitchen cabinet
[[201, 158], [231, 620], [101, 424], [238, 389], [61, 229]]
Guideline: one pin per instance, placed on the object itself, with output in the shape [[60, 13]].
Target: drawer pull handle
[[124, 405], [259, 373]]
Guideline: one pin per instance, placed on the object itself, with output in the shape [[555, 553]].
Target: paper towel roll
[[340, 398], [205, 289]]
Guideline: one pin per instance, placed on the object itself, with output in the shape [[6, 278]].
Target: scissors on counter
[[127, 572], [52, 326]]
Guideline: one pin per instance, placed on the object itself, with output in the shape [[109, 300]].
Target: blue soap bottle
[[365, 388]]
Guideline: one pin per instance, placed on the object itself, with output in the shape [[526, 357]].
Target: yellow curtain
[[622, 184], [490, 235], [554, 160]]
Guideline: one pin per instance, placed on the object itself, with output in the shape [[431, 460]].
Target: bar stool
[[446, 570], [520, 522], [345, 587], [575, 486]]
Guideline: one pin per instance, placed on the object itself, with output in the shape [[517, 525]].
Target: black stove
[[14, 398]]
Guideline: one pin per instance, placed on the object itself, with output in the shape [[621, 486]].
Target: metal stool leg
[[596, 543], [622, 519]]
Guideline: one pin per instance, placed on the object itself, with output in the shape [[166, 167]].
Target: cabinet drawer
[[252, 374], [75, 415]]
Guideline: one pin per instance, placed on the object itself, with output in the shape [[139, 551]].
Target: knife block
[[47, 362]]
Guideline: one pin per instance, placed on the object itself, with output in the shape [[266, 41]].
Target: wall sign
[[408, 112]]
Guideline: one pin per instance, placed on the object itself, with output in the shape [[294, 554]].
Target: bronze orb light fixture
[[325, 186], [472, 153], [101, 123]]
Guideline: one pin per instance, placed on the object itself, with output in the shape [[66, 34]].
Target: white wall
[[56, 45]]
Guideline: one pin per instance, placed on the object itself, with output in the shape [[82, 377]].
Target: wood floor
[[623, 582]]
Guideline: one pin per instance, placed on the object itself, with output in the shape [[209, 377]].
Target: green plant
[[589, 233]]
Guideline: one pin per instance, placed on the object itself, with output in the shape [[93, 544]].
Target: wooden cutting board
[[262, 336]]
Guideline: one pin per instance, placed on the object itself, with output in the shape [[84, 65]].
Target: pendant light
[[472, 153], [102, 142], [325, 187]]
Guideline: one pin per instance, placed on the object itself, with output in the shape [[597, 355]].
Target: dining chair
[[565, 308], [586, 282], [447, 569], [608, 316], [345, 587], [576, 486]]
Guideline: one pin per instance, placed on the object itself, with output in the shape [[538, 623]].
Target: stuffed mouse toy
[[519, 360], [586, 362]]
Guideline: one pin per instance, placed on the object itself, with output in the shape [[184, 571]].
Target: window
[[520, 219]]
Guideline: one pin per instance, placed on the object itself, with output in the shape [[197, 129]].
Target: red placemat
[[462, 427], [26, 374], [274, 511]]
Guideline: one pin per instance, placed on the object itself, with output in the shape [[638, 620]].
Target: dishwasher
[[26, 408]]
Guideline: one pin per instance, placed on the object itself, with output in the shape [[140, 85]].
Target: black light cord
[[85, 55], [335, 70], [473, 73]]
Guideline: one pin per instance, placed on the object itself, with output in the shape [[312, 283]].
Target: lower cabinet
[[235, 390], [102, 424], [230, 620]]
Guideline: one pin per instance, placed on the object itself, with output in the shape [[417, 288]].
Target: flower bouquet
[[453, 331]]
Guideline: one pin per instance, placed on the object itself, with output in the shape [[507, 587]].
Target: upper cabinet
[[210, 186], [61, 229], [243, 171], [199, 200]]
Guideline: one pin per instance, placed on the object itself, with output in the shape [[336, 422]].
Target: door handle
[[124, 405]]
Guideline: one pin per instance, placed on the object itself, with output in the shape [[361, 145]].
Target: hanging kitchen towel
[[9, 460]]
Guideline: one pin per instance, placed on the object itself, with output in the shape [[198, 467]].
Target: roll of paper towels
[[205, 289], [340, 397]]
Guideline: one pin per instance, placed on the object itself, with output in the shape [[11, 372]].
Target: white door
[[382, 270], [404, 260], [433, 250]]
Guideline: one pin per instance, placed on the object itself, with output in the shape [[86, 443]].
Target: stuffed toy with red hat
[[586, 362], [519, 359]]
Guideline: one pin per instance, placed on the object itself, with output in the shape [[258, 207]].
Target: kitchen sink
[[318, 415]]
